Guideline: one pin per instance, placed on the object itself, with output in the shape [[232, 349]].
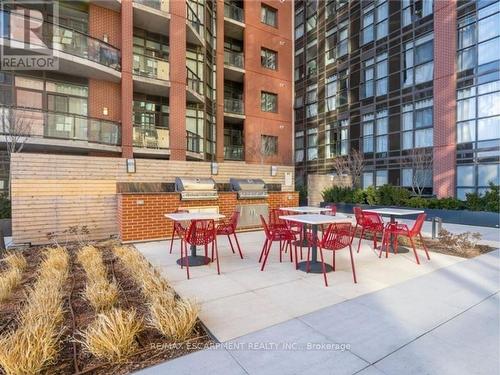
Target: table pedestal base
[[194, 261], [314, 267]]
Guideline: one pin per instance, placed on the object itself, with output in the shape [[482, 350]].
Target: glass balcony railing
[[233, 152], [153, 138], [194, 82], [63, 39], [233, 12], [151, 67], [193, 142], [27, 122], [234, 106], [234, 59], [155, 4]]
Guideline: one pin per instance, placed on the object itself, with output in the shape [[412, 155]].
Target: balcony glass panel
[[151, 67], [233, 152], [153, 138], [234, 106], [193, 142], [234, 58], [234, 12], [155, 4]]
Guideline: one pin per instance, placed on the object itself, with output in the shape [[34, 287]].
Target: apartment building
[[391, 77], [199, 80]]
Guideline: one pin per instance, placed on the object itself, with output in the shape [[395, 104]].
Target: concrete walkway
[[443, 322]]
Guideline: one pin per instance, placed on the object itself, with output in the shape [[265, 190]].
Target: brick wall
[[104, 94], [147, 221], [105, 21]]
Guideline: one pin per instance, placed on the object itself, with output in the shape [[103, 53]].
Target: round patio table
[[304, 210]]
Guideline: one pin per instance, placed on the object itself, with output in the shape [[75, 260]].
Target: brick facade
[[105, 94], [138, 222]]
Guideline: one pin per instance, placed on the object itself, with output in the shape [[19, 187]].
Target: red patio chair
[[369, 223], [337, 237], [276, 235], [178, 229], [228, 228], [200, 233], [396, 230], [275, 222]]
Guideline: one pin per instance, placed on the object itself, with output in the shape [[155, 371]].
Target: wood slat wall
[[51, 193]]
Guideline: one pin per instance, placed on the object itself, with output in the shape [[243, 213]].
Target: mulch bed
[[153, 348]]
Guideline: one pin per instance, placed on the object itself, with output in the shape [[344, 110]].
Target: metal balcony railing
[[153, 138], [152, 67], [155, 4], [193, 141], [233, 58], [35, 123], [64, 39], [233, 12], [234, 152], [234, 106]]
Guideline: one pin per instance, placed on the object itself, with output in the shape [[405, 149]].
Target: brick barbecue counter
[[141, 215]]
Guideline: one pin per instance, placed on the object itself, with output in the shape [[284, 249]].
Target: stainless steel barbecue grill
[[249, 188], [196, 188]]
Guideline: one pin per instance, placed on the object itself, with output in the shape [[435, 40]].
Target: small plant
[[12, 275], [100, 293], [112, 336], [174, 319], [459, 242]]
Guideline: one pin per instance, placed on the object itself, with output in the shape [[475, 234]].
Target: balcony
[[193, 144], [151, 75], [234, 18], [194, 87], [194, 27], [234, 152], [234, 106], [78, 53], [152, 15], [61, 130], [151, 140], [234, 63]]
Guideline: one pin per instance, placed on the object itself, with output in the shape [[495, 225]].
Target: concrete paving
[[244, 299], [441, 322]]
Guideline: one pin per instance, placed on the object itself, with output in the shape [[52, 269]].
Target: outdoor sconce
[[215, 168], [274, 170], [130, 165], [105, 38], [105, 111]]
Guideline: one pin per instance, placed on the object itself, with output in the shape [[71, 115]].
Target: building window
[[374, 76], [268, 15], [367, 179], [269, 58], [311, 54], [418, 61], [331, 93], [312, 144], [417, 125], [312, 101], [299, 23], [299, 64], [337, 139], [343, 39], [312, 15], [476, 179], [375, 22], [375, 129], [299, 146], [415, 9], [268, 102], [269, 145], [330, 45], [343, 88], [330, 8]]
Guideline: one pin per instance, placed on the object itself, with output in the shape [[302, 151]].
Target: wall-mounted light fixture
[[105, 111], [105, 38], [274, 170], [215, 168], [130, 165]]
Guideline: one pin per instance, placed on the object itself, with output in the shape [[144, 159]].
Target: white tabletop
[[317, 219], [305, 209], [187, 216], [394, 211]]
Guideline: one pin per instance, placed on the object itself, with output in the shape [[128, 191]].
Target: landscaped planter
[[464, 217]]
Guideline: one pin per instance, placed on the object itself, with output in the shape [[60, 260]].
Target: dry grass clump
[[173, 317], [112, 336], [100, 293], [34, 344], [11, 277]]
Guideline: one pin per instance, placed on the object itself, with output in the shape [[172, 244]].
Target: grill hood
[[249, 188], [199, 188]]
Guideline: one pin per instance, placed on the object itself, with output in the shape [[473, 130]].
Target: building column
[[219, 137], [177, 121], [445, 85], [127, 25]]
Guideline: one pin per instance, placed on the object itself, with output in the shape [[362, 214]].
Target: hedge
[[388, 195]]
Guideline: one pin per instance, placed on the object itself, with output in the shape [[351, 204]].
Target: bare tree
[[420, 161], [351, 165]]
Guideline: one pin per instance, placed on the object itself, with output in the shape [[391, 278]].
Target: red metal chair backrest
[[234, 219], [337, 236], [372, 218], [333, 210], [359, 215], [200, 232], [266, 227], [274, 217], [417, 226]]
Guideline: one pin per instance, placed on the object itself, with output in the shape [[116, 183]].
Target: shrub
[[174, 319], [371, 195], [5, 209], [489, 201], [359, 196], [338, 194], [417, 202], [451, 204], [389, 195]]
